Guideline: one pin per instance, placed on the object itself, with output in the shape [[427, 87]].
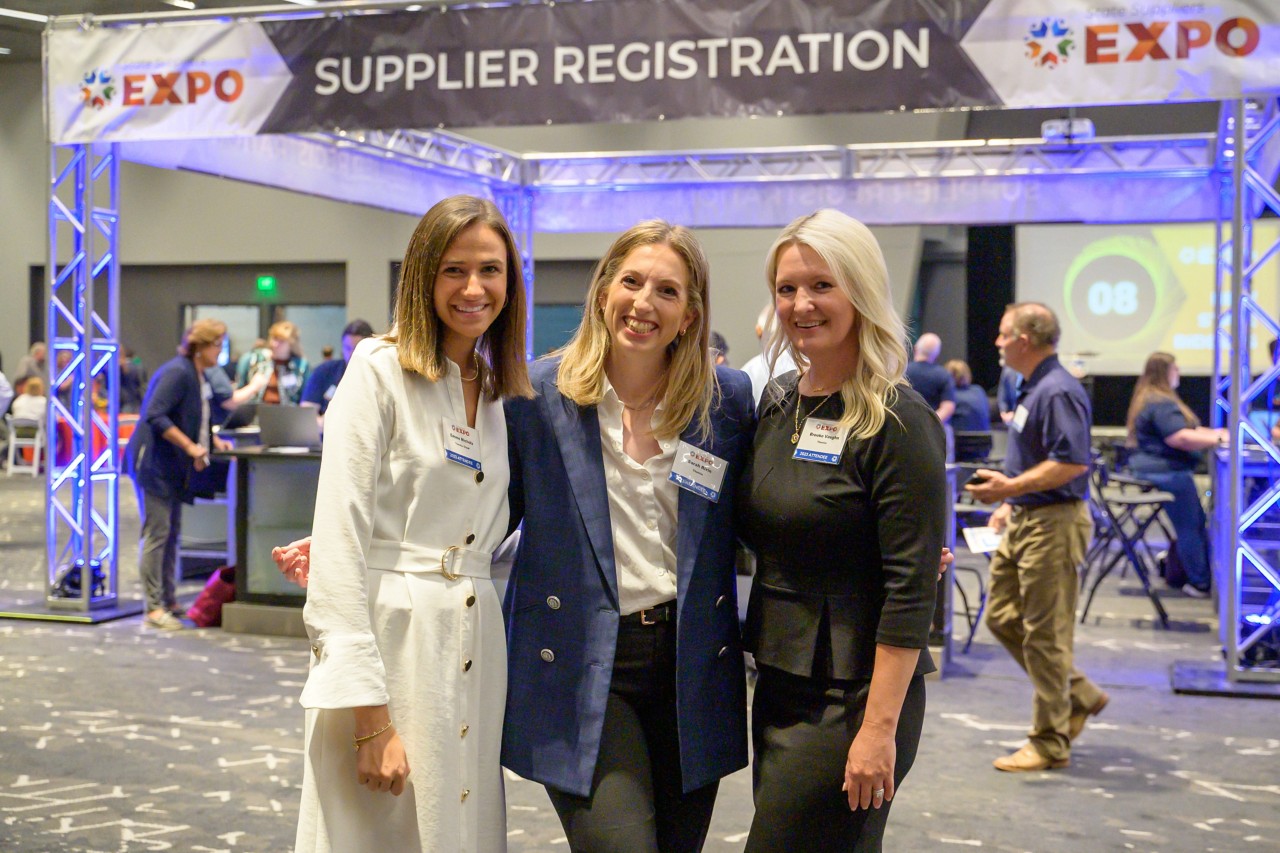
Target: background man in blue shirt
[[325, 376], [1047, 527]]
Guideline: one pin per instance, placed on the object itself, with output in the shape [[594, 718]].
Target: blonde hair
[[200, 334], [960, 372], [691, 383], [417, 331], [34, 387], [285, 331], [1153, 384], [851, 253]]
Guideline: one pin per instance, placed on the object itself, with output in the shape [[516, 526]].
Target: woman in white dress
[[408, 674]]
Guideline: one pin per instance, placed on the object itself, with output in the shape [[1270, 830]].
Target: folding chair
[[25, 434], [1123, 513]]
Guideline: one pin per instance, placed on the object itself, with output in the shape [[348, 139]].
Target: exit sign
[[266, 284]]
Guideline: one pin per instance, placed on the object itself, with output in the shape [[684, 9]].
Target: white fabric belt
[[421, 559]]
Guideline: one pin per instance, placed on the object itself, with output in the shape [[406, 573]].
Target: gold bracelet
[[367, 738]]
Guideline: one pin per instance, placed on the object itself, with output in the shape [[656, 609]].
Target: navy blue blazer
[[562, 599], [173, 399]]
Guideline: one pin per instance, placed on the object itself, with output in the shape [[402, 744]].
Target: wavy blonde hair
[[417, 330], [691, 378], [850, 251]]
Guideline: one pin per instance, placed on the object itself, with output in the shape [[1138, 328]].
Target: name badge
[[329, 392], [821, 441], [461, 444], [698, 471], [1019, 418], [289, 381]]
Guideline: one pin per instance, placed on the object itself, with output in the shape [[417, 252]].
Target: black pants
[[637, 802], [801, 730]]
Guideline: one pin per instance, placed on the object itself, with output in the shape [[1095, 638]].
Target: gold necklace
[[647, 403], [795, 436], [475, 361]]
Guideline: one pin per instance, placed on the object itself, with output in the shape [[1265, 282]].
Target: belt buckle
[[646, 619], [444, 563]]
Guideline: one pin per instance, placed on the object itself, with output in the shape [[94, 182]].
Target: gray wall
[[179, 218]]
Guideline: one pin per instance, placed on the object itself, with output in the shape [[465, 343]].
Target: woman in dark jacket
[[844, 503], [170, 444]]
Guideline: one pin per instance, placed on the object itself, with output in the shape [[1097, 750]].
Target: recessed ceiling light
[[24, 16], [4, 51], [303, 2], [181, 4]]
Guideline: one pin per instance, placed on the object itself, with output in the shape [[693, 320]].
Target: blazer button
[[466, 792], [479, 476], [471, 600], [547, 655], [466, 665], [471, 537], [720, 600], [315, 650], [465, 729], [724, 650], [553, 602]]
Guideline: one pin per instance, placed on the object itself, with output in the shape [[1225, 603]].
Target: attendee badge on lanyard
[[821, 441], [289, 381], [698, 471], [1019, 418], [461, 444]]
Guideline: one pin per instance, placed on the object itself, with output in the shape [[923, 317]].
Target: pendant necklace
[[795, 436]]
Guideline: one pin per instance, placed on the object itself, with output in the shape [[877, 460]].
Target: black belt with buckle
[[665, 612]]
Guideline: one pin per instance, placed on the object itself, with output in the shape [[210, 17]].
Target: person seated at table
[[1166, 438], [973, 409]]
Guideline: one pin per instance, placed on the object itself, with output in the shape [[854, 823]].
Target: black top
[[848, 553], [1159, 419], [1051, 421], [931, 381]]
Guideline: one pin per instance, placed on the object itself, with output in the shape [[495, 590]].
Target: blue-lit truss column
[[517, 206], [83, 278], [1246, 540]]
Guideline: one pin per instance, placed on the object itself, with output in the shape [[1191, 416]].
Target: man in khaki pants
[[1032, 602]]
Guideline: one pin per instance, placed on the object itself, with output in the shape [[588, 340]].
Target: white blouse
[[643, 508]]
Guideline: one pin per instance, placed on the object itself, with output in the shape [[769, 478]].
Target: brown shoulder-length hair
[[691, 376], [418, 331], [1153, 384]]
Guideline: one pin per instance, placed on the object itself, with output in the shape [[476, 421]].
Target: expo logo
[[181, 87], [1103, 42]]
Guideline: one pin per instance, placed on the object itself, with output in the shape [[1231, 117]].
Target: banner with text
[[636, 60]]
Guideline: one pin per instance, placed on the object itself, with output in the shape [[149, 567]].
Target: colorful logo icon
[[99, 87], [1049, 43]]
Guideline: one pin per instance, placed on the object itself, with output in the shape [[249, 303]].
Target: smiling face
[[814, 313], [471, 287], [646, 304]]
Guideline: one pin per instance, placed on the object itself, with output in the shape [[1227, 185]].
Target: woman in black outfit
[[845, 506]]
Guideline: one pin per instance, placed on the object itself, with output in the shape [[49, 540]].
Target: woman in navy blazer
[[629, 718], [169, 445]]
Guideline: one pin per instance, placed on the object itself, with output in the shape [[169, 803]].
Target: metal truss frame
[[82, 457], [1246, 535], [1193, 153]]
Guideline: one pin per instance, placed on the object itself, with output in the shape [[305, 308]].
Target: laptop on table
[[289, 426]]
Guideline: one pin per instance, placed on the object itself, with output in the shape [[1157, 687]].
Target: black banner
[[624, 60]]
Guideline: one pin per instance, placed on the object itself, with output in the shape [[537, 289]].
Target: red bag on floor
[[206, 612]]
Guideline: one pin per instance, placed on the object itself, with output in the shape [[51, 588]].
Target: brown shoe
[[1076, 725], [1027, 760]]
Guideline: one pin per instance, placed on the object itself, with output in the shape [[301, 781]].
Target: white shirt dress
[[387, 626]]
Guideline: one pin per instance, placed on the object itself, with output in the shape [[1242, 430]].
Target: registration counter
[[271, 492]]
